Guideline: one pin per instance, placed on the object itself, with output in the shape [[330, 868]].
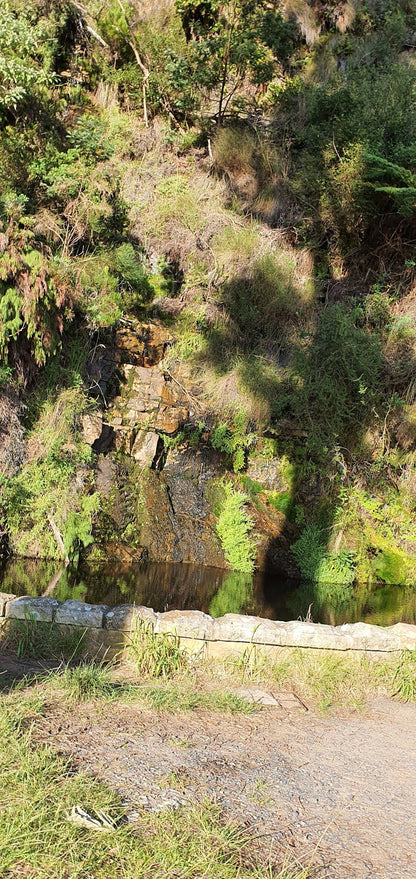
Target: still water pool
[[192, 587]]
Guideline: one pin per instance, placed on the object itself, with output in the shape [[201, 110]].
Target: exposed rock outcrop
[[178, 523], [148, 401]]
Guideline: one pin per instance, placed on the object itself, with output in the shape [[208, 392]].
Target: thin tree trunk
[[143, 68], [59, 540], [146, 74]]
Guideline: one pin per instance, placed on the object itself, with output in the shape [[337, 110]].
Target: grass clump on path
[[93, 681]]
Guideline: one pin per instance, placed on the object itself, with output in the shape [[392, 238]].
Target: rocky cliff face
[[155, 498], [157, 491]]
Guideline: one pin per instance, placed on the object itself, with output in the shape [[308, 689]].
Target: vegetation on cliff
[[246, 175]]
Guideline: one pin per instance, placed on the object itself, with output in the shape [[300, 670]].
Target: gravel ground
[[339, 791]]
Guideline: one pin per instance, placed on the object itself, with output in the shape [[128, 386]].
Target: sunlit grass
[[39, 789], [330, 679]]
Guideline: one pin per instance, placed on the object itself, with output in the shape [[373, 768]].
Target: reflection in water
[[234, 595], [166, 586]]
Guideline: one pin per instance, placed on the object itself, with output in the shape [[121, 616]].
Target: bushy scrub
[[234, 528], [111, 282], [320, 566], [35, 300], [335, 380], [379, 523], [234, 439], [353, 133], [234, 149], [266, 295], [53, 492]]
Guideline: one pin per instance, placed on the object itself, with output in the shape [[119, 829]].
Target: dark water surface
[[164, 586]]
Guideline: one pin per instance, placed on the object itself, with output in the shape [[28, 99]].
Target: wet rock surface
[[178, 522], [163, 495]]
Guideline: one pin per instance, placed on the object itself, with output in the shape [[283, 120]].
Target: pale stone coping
[[230, 629]]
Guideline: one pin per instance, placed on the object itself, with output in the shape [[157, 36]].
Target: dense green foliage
[[234, 526], [255, 162]]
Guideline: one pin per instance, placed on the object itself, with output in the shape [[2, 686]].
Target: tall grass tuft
[[158, 656]]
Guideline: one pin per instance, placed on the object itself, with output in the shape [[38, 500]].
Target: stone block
[[364, 636], [102, 644], [40, 609], [126, 617], [235, 627], [77, 613], [91, 427], [258, 696], [316, 635], [185, 624], [4, 599], [270, 632], [404, 635], [145, 446]]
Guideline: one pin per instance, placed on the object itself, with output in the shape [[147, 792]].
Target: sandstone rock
[[144, 345], [129, 348], [100, 370], [177, 525], [126, 617], [234, 627], [145, 447], [169, 419], [406, 633], [76, 613], [105, 473], [91, 427], [4, 599], [185, 624], [42, 609]]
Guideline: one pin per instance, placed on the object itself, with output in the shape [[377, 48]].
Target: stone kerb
[[193, 627]]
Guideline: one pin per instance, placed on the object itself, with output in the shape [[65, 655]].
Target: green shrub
[[335, 380], [234, 440], [390, 566], [320, 566], [54, 488], [234, 529], [264, 297]]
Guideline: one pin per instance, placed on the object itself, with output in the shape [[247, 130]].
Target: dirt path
[[342, 789]]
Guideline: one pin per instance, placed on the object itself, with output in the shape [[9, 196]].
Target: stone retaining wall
[[109, 629]]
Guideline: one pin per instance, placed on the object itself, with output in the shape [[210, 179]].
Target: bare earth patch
[[337, 790]]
